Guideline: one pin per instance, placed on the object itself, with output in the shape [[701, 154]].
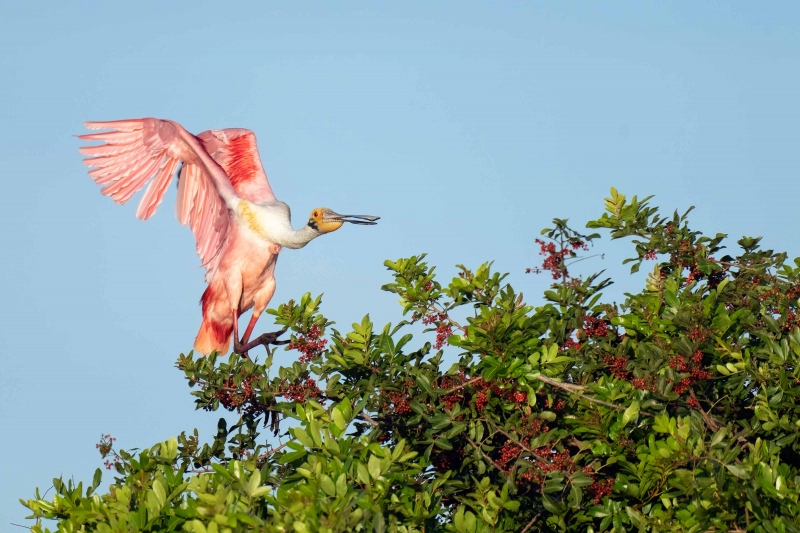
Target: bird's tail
[[213, 336], [215, 331]]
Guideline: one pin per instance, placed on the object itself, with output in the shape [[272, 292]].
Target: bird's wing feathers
[[140, 149], [236, 152]]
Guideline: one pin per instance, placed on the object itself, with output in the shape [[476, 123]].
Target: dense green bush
[[676, 410]]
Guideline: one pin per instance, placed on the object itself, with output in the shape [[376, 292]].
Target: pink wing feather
[[134, 153], [236, 152]]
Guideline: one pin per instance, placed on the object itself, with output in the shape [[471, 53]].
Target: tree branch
[[574, 389]]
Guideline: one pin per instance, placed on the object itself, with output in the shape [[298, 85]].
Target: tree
[[676, 410]]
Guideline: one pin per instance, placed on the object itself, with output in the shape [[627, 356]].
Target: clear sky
[[467, 126]]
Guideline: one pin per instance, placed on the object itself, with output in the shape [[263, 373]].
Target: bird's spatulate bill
[[366, 220]]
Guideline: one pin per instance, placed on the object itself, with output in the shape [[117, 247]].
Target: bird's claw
[[265, 339]]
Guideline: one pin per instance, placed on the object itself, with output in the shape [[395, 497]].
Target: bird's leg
[[238, 347], [250, 326], [265, 339], [245, 345], [260, 301]]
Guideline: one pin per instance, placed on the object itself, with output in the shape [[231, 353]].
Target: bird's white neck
[[295, 238], [272, 223]]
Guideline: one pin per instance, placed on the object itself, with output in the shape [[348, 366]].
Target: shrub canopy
[[676, 410]]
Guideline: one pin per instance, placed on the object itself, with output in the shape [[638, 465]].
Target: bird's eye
[[315, 214]]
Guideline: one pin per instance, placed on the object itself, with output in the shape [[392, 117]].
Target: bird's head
[[324, 220]]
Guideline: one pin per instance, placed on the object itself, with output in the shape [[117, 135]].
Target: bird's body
[[246, 265], [224, 197]]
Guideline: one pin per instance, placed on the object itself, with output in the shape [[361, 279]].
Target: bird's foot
[[265, 339]]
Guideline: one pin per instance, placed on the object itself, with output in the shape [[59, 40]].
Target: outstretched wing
[[236, 152], [140, 150]]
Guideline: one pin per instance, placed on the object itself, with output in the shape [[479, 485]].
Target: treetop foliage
[[675, 410]]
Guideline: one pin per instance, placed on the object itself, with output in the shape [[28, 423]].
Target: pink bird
[[225, 198]]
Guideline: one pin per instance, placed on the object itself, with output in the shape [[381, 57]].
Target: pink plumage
[[225, 199], [138, 150]]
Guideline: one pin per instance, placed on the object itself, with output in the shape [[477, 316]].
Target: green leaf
[[254, 483], [327, 485], [630, 413], [424, 383], [96, 479], [338, 419], [363, 474], [738, 471], [291, 457], [374, 467]]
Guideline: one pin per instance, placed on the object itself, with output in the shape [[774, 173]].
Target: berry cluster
[[546, 461], [554, 258], [569, 344], [691, 366], [644, 384], [600, 489], [447, 459], [698, 334], [443, 332], [444, 329], [232, 397], [542, 461], [434, 318], [694, 275], [396, 402], [533, 427], [617, 365], [481, 399], [791, 322], [106, 448], [500, 390], [556, 255], [300, 392], [310, 345], [716, 277], [687, 256], [557, 406], [519, 397], [595, 327], [508, 453], [455, 397], [105, 445]]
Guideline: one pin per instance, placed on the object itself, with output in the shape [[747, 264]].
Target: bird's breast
[[258, 220], [249, 218]]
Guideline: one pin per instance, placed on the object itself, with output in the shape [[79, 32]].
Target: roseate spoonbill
[[225, 198]]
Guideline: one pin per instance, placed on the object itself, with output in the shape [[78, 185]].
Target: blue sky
[[467, 126]]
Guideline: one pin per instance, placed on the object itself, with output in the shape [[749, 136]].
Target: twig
[[365, 416], [712, 423], [516, 441], [273, 450], [573, 389], [478, 447], [579, 259], [208, 469], [465, 384], [530, 524]]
